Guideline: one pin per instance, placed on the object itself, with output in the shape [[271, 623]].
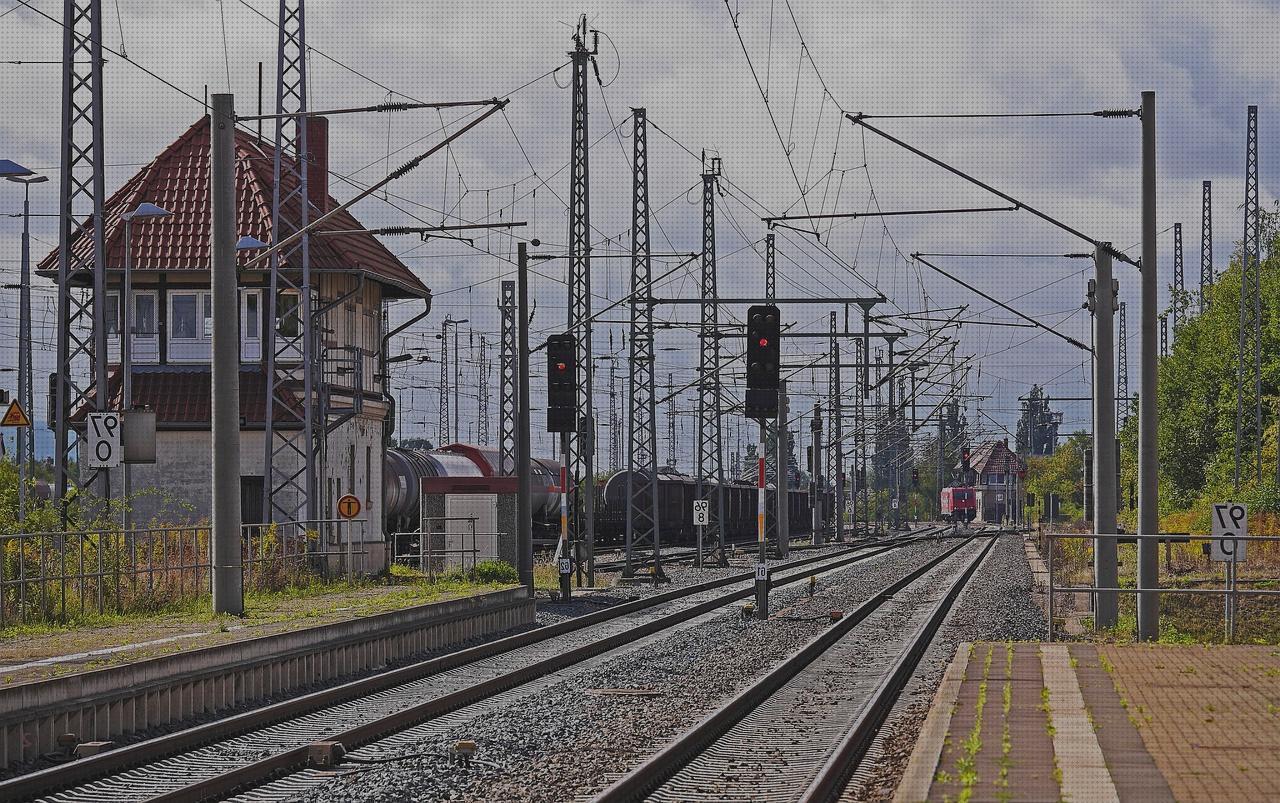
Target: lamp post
[[25, 456], [145, 211]]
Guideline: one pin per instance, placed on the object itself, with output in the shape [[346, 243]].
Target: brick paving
[[1170, 722]]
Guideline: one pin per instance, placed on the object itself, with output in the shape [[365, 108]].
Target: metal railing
[[430, 550], [54, 576], [1230, 590]]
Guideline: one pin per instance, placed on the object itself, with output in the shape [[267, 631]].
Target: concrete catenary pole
[[1104, 438], [228, 588], [782, 481], [1148, 464], [524, 506]]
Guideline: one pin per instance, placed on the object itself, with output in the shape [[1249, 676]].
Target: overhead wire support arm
[[770, 221], [399, 172], [381, 107], [394, 230], [1003, 305], [860, 119]]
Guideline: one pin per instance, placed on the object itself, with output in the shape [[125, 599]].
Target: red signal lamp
[[560, 366], [764, 342]]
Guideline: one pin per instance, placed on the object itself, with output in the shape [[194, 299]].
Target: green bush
[[494, 571]]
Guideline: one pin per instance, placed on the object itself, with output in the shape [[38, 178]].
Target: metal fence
[[441, 546], [1230, 590], [54, 576]]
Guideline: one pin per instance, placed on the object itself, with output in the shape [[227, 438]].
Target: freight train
[[959, 504], [462, 468]]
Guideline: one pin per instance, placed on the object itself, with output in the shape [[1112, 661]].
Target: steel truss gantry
[[642, 530], [82, 335], [291, 445], [710, 457], [1249, 344], [1123, 400]]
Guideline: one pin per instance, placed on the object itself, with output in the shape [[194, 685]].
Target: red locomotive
[[959, 504]]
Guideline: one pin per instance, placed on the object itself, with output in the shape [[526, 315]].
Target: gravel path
[[569, 734]]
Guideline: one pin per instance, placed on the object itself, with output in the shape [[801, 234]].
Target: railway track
[[217, 759], [800, 731]]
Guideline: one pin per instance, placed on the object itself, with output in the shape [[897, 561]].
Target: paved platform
[[1084, 722]]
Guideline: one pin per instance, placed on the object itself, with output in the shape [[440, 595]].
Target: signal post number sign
[[104, 440], [701, 512], [1230, 521]]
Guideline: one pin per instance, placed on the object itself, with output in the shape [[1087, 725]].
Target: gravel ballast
[[569, 734]]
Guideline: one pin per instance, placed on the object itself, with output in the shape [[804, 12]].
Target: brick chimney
[[318, 164]]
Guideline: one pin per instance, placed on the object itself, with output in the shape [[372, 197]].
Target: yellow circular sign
[[348, 507]]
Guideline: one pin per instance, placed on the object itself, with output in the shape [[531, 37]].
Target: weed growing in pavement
[[967, 765]]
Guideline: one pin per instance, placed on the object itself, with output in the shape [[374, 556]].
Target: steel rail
[[834, 775], [660, 768], [104, 765]]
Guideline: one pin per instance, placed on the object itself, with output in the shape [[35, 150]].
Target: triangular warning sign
[[15, 416]]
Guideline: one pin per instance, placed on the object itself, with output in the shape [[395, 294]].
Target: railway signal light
[[915, 478], [964, 458], [764, 358], [562, 383]]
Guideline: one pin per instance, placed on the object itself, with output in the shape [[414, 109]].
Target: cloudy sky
[[684, 63]]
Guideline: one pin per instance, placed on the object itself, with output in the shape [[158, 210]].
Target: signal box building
[[353, 278], [996, 474]]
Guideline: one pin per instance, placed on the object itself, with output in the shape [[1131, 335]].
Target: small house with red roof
[[353, 277], [998, 475]]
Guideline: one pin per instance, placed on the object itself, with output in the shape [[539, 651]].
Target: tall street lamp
[[21, 175], [145, 211]]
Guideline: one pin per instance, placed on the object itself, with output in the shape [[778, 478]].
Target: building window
[[995, 479], [183, 321], [113, 315], [252, 319], [287, 313], [144, 314], [207, 326]]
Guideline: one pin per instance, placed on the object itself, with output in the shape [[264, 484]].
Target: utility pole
[[82, 196], [580, 446], [1249, 344], [710, 444], [524, 461], [815, 470], [1102, 302], [1148, 406], [642, 414], [508, 404], [26, 441], [1206, 245], [671, 421], [289, 350], [771, 428], [228, 588], [782, 485], [1123, 399]]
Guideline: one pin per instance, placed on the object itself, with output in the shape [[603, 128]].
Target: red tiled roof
[[178, 180], [995, 457], [181, 394]]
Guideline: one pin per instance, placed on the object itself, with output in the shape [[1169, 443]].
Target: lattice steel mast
[[290, 436], [442, 406], [710, 458], [642, 413], [1249, 345], [1123, 400], [82, 195], [507, 380], [482, 385], [671, 421], [1179, 278], [771, 424], [1206, 245], [615, 413], [581, 444], [835, 456]]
